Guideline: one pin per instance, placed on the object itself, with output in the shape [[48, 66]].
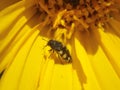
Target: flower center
[[64, 17]]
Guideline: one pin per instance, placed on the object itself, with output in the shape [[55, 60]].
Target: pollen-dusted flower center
[[71, 15]]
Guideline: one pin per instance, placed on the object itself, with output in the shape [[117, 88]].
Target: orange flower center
[[71, 15]]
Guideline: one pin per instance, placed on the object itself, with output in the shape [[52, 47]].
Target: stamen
[[84, 14]]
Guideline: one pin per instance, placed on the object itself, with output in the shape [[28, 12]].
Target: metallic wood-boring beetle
[[60, 49]]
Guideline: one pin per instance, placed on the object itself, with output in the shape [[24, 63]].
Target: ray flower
[[84, 32]]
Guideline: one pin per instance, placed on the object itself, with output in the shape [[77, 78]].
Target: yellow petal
[[97, 65], [11, 77], [114, 26], [9, 55], [11, 14], [8, 35], [46, 74], [33, 66], [61, 78], [83, 67], [110, 45]]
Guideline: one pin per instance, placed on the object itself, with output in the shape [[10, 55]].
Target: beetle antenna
[[44, 40]]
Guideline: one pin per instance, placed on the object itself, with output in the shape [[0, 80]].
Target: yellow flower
[[89, 31]]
